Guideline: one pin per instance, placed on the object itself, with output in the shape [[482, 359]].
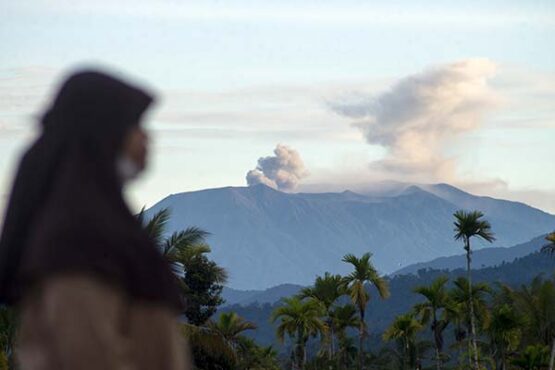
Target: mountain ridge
[[265, 237]]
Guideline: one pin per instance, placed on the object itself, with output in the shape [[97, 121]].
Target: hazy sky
[[354, 91]]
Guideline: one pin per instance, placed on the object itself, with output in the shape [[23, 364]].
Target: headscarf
[[66, 211]]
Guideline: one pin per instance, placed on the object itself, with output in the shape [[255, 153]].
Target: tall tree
[[326, 290], [201, 282], [404, 329], [460, 294], [434, 311], [201, 279], [504, 330], [299, 320], [469, 225], [355, 283], [343, 318], [230, 326]]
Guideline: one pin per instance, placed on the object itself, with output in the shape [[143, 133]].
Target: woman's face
[[135, 146]]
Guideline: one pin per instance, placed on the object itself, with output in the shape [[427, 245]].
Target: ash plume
[[282, 171]]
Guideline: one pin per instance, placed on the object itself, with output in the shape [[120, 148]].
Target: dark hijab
[[66, 212]]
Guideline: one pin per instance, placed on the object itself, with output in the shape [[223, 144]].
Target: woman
[[93, 291]]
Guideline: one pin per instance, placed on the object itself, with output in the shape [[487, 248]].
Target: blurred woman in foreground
[[93, 291]]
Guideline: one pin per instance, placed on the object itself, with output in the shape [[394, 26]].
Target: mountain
[[265, 237], [481, 258], [270, 295]]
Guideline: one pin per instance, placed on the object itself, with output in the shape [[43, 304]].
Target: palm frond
[[469, 224], [156, 226], [209, 340]]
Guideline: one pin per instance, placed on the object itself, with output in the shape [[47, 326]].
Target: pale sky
[[424, 91]]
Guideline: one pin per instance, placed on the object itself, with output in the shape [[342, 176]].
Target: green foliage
[[255, 357], [355, 284], [202, 283], [8, 331], [202, 279], [534, 357], [509, 328], [364, 272], [3, 361], [536, 303], [220, 345], [326, 291], [550, 246], [230, 326], [467, 226], [299, 320], [404, 330], [505, 331], [470, 224], [460, 295], [203, 288], [434, 311]]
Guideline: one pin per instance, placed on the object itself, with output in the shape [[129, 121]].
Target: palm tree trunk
[[406, 355], [435, 328], [300, 357], [471, 306], [331, 334], [552, 357], [299, 351], [361, 340]]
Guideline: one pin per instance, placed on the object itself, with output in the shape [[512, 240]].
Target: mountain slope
[[264, 237], [481, 258], [270, 295]]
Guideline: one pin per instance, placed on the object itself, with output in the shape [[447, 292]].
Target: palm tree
[[537, 303], [467, 226], [299, 320], [364, 273], [326, 290], [209, 341], [437, 299], [404, 329], [343, 318], [347, 353], [534, 357], [230, 326], [460, 294], [550, 246], [221, 339], [504, 330], [180, 245], [200, 279], [255, 357]]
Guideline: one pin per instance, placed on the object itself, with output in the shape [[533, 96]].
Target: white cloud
[[306, 13]]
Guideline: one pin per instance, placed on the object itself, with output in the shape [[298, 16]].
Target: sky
[[304, 95]]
